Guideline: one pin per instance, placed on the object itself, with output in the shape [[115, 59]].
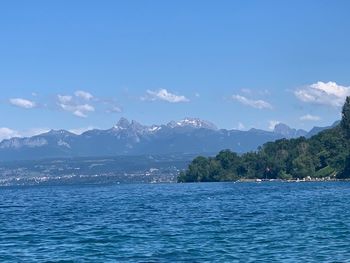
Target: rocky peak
[[58, 133], [288, 132], [122, 124], [136, 126]]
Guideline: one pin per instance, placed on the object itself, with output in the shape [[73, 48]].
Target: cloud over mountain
[[76, 104], [322, 93], [258, 104], [7, 133], [164, 95], [309, 117]]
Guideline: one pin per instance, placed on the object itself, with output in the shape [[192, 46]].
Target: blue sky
[[240, 64]]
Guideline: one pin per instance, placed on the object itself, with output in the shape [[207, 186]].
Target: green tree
[[345, 125], [345, 121], [303, 166], [325, 154]]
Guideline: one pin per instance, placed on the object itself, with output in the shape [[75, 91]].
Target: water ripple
[[217, 222]]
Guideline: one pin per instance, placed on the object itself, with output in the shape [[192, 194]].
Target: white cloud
[[258, 104], [79, 131], [7, 133], [329, 94], [64, 98], [81, 103], [164, 95], [309, 117], [76, 104], [272, 124], [22, 103], [79, 110], [114, 109], [240, 126], [33, 132], [83, 95], [110, 105]]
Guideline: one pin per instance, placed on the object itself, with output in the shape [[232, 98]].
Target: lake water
[[214, 222]]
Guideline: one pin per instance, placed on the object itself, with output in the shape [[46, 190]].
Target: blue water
[[214, 222]]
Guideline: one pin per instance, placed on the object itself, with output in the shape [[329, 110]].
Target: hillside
[[188, 136], [323, 155]]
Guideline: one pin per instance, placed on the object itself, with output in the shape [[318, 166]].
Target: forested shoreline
[[325, 155]]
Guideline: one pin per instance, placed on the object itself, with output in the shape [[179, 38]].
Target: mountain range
[[190, 136]]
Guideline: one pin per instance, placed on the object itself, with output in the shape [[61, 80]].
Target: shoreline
[[304, 180]]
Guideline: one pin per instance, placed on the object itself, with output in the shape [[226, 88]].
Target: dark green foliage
[[345, 122], [345, 125], [323, 155]]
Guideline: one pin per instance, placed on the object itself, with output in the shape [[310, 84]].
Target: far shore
[[293, 180]]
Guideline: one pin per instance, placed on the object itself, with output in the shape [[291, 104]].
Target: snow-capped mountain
[[192, 123], [189, 135]]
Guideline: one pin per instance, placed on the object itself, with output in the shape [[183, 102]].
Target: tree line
[[321, 156]]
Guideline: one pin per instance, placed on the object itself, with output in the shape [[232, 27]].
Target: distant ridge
[[316, 130], [288, 132], [190, 135]]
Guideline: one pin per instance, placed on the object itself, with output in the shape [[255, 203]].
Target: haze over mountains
[[190, 136]]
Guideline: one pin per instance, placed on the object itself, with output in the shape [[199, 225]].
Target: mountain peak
[[136, 126], [189, 135], [58, 132], [122, 124], [288, 132], [193, 123], [282, 128]]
